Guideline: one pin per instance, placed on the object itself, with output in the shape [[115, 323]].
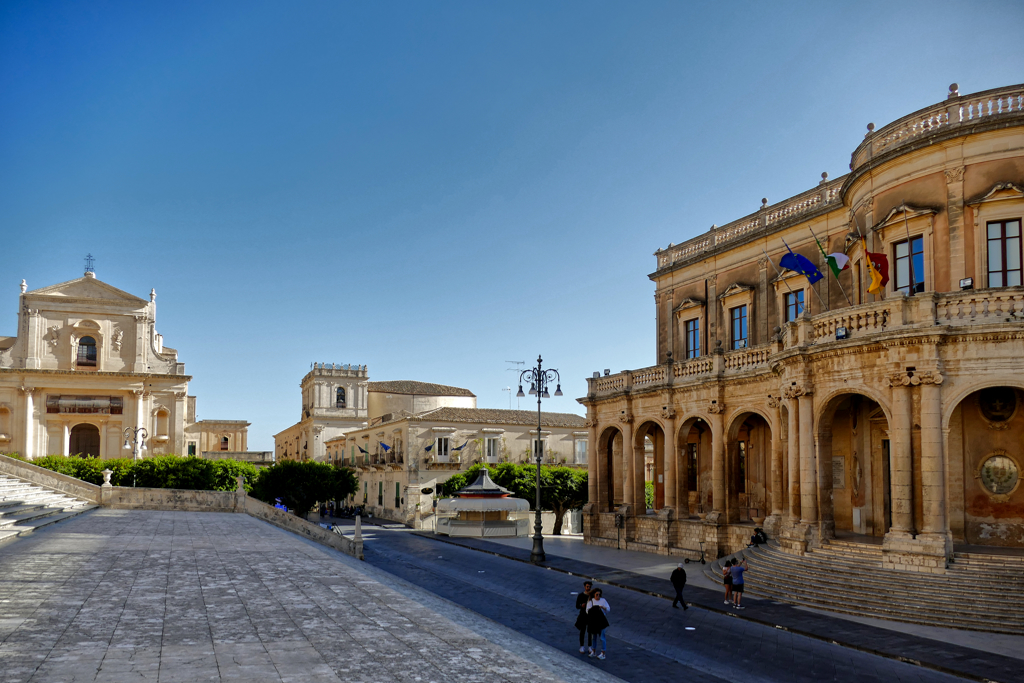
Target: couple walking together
[[592, 621]]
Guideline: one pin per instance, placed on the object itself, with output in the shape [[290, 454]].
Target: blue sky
[[432, 188]]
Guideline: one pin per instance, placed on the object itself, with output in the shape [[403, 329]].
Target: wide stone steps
[[855, 583], [25, 507]]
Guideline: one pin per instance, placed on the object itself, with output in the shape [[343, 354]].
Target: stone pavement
[[903, 646], [649, 642], [117, 595]]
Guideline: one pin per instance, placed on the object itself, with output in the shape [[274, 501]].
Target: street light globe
[[558, 390], [520, 394]]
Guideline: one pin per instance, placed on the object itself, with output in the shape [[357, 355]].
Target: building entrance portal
[[85, 440]]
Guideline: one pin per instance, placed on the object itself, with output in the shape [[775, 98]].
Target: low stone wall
[[50, 479], [183, 500], [297, 525], [666, 536]]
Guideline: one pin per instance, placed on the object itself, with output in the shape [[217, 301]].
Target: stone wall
[[183, 500], [297, 525], [50, 479], [665, 536]]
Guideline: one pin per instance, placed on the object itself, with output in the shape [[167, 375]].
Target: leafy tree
[[303, 485], [563, 489], [649, 494]]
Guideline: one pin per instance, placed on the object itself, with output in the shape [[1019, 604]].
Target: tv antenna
[[517, 366]]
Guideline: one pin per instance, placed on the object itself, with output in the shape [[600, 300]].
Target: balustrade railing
[[693, 367], [742, 359], [649, 375], [973, 307], [858, 320], [954, 111]]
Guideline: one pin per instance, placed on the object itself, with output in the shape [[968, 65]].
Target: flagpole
[[829, 267], [910, 250], [811, 284]]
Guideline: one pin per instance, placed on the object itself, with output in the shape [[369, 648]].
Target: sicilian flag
[[878, 267], [461, 447], [800, 264], [384, 446], [837, 262]]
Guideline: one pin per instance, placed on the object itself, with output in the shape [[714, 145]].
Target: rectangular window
[[909, 265], [380, 493], [398, 495], [692, 329], [441, 448], [691, 469], [794, 304], [191, 447], [738, 319], [581, 452], [492, 448], [1004, 253]]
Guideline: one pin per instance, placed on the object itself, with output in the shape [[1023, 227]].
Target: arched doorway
[[610, 469], [650, 440], [986, 465], [694, 477], [85, 440], [748, 468], [854, 466]]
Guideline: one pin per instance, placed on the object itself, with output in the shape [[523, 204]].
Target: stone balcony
[[896, 314]]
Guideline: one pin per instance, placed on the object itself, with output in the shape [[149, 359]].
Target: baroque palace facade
[[86, 364], [817, 409]]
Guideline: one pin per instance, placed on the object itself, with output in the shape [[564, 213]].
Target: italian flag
[[837, 262]]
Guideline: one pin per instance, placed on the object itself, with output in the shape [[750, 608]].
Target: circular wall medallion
[[998, 403], [999, 475]]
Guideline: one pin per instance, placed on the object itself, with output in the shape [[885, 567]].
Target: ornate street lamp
[[135, 440], [539, 380]]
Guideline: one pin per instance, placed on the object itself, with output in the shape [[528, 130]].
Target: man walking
[[737, 582], [581, 619], [678, 579]]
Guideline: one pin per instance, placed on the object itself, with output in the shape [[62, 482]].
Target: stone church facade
[[817, 410], [87, 363]]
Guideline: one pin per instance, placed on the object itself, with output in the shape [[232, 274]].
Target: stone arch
[[650, 431], [693, 480], [748, 448], [984, 500], [952, 401], [851, 438], [610, 473], [85, 440]]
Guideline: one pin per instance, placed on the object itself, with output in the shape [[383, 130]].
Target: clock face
[[999, 475]]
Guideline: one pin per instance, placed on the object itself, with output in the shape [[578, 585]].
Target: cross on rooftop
[[88, 263]]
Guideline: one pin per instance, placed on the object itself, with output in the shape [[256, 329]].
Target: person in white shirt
[[597, 620]]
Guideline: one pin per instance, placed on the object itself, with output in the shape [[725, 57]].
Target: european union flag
[[361, 450], [461, 447], [384, 446], [800, 264], [427, 448]]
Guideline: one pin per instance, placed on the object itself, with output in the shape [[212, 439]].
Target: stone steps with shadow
[[859, 586], [26, 507]]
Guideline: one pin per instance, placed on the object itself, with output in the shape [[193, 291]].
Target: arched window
[[87, 352], [223, 443], [339, 401]]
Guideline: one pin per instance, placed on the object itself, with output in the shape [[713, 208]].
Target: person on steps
[[597, 621], [737, 582], [678, 579], [581, 619], [727, 577]]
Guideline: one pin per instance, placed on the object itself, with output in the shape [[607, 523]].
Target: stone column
[[794, 459], [717, 458], [808, 468], [900, 460], [955, 217], [30, 409], [595, 478], [774, 521], [66, 441], [671, 456], [933, 462], [629, 489]]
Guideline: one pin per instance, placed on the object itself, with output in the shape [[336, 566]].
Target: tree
[[303, 485]]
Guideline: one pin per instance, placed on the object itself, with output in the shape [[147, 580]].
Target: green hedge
[[159, 472]]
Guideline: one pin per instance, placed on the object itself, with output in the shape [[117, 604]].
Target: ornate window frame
[[783, 283], [891, 230], [687, 310], [1004, 201], [738, 295]]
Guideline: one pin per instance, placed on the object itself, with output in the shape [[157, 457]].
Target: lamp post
[[135, 440], [539, 379]]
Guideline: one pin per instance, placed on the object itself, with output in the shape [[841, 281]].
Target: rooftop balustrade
[[929, 311]]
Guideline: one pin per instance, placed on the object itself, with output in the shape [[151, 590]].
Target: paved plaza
[[119, 595]]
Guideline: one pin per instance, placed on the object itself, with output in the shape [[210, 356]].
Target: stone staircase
[[979, 592], [25, 507]]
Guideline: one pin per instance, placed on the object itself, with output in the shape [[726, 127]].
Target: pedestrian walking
[[737, 582], [678, 579], [727, 577], [597, 621], [581, 619]]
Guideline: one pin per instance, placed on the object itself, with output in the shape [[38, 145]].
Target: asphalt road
[[648, 641]]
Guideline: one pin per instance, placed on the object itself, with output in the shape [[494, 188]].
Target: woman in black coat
[[597, 620]]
